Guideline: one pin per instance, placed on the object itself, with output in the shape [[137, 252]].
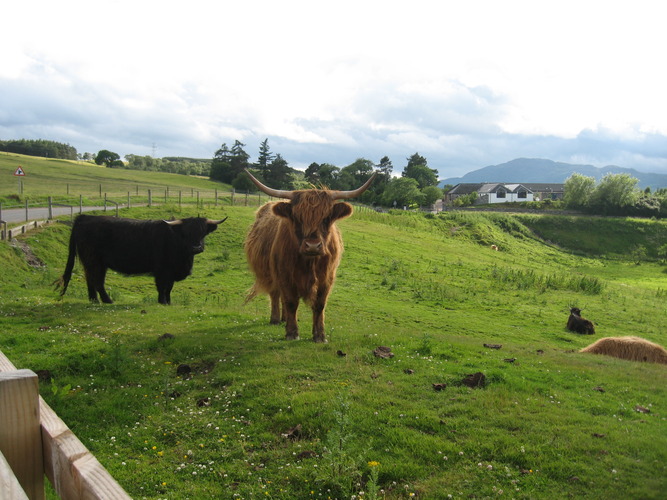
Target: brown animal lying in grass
[[630, 348], [578, 324]]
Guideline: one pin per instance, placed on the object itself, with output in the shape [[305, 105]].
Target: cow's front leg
[[290, 306], [95, 281], [320, 303], [164, 287]]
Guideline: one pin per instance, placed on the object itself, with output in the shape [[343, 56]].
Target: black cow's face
[[193, 230]]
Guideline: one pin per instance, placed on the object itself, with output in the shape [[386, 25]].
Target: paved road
[[16, 215]]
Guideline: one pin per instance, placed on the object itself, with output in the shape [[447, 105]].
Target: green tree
[[577, 191], [107, 158], [416, 159], [312, 173], [228, 163], [355, 174], [417, 168], [614, 195], [328, 175], [242, 183], [402, 192], [278, 173], [431, 195], [265, 156], [422, 174], [221, 169]]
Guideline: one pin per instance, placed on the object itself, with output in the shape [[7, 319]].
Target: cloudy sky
[[464, 84]]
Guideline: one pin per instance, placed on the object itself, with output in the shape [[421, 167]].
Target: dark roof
[[492, 187]]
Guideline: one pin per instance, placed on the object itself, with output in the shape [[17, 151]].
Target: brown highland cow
[[630, 348], [294, 249]]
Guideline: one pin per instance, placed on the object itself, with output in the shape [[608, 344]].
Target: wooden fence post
[[20, 431], [9, 485]]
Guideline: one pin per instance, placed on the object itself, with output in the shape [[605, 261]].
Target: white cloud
[[466, 84]]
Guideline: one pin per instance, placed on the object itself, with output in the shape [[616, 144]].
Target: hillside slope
[[262, 417]]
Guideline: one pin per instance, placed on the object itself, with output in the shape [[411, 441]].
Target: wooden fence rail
[[35, 442]]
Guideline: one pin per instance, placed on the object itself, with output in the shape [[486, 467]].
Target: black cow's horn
[[216, 222], [174, 222], [343, 195], [276, 193]]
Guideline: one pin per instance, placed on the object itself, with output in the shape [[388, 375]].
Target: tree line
[[417, 185], [615, 194], [39, 147]]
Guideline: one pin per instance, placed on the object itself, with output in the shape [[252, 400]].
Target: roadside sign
[[19, 171]]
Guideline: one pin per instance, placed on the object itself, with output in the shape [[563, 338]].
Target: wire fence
[[27, 210]]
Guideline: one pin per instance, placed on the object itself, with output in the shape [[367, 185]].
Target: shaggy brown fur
[[630, 348], [294, 249], [578, 324]]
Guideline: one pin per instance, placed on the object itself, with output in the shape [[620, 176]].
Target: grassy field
[[261, 417], [66, 180]]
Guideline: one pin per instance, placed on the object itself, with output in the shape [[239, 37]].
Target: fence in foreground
[[35, 442]]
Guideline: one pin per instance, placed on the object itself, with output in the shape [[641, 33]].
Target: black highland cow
[[163, 249], [578, 324]]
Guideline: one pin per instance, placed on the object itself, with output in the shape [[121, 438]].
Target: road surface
[[18, 215]]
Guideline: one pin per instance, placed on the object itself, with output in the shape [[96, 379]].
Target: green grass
[[65, 180], [428, 287]]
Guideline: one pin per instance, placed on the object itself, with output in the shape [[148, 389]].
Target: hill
[[62, 178], [548, 171], [260, 417]]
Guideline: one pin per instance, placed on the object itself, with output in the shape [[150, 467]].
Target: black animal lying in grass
[[578, 324], [163, 249]]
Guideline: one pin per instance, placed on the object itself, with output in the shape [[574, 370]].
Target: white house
[[493, 192]]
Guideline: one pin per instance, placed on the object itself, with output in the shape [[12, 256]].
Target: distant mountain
[[538, 170]]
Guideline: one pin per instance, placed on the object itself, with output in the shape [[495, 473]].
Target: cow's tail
[[252, 293], [63, 281]]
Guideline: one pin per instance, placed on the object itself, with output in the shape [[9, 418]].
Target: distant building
[[499, 192]]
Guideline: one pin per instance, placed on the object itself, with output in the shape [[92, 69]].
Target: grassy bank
[[258, 416]]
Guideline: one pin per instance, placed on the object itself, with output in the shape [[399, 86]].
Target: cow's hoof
[[293, 336], [320, 340]]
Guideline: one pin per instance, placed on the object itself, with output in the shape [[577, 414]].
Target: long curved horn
[[343, 195], [276, 193], [216, 222]]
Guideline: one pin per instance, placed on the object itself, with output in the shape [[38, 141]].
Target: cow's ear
[[283, 209], [341, 210]]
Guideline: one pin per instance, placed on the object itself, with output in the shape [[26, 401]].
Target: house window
[[500, 194], [523, 194]]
